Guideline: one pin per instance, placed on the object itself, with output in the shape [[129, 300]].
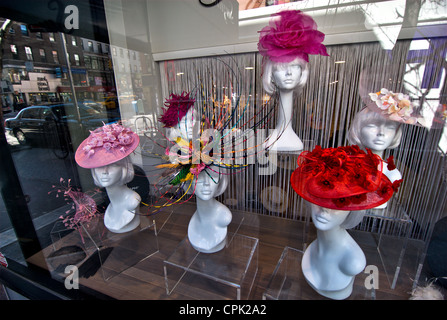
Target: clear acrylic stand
[[390, 235], [120, 251], [93, 248], [227, 274], [289, 283], [72, 247]]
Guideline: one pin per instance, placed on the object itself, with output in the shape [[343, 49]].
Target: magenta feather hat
[[105, 145], [293, 35], [177, 106]]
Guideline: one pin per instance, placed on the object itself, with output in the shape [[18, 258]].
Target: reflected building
[[35, 69]]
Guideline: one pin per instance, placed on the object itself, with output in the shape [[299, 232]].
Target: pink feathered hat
[[105, 145], [291, 34]]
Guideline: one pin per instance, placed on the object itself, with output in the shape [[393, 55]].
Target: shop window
[[325, 109]]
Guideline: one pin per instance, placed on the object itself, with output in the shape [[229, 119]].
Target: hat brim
[[300, 182], [103, 157]]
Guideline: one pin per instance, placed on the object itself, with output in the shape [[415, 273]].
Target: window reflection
[[46, 112]]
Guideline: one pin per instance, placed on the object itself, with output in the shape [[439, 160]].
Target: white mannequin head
[[326, 219], [185, 128], [284, 76], [372, 130], [117, 173]]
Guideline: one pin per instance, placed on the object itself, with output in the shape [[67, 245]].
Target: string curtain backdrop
[[323, 113]]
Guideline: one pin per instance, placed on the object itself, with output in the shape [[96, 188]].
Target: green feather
[[181, 175]]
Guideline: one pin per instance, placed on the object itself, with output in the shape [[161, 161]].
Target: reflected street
[[38, 169]]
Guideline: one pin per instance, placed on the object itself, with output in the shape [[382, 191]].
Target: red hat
[[343, 178], [105, 145]]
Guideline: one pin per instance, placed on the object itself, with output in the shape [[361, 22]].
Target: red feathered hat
[[343, 178]]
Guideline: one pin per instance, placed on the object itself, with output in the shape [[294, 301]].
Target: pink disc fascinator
[[291, 34], [105, 145]]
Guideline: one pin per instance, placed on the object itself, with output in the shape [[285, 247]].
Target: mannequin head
[[326, 219], [284, 75], [210, 183], [117, 173], [372, 130]]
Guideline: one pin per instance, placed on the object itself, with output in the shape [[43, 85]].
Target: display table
[[146, 279]]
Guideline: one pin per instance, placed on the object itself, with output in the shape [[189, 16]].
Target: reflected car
[[110, 102], [52, 124]]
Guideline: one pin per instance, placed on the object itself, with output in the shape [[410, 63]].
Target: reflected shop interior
[[225, 159]]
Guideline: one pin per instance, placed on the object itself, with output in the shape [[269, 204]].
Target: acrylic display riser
[[94, 249], [226, 274], [391, 247], [289, 283]]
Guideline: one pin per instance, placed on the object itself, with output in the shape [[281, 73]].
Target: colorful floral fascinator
[[177, 106], [105, 145], [343, 178], [293, 35]]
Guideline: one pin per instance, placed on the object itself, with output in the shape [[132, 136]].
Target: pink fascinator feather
[[177, 106], [293, 35]]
